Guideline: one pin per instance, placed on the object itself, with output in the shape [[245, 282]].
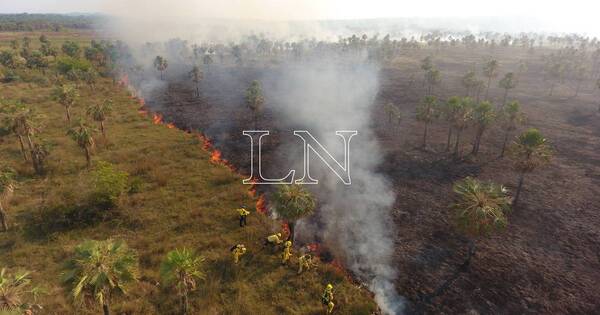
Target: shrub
[[109, 184], [65, 65]]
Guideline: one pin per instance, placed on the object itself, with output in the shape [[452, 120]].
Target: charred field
[[547, 260]]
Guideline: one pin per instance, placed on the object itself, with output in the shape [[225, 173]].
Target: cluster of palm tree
[[101, 271]]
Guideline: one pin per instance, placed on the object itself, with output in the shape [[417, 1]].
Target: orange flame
[[285, 227], [157, 119], [261, 204], [313, 247], [215, 157], [170, 126]]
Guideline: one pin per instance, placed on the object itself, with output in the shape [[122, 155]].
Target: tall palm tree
[[196, 76], [483, 116], [17, 294], [462, 115], [510, 118], [426, 112], [182, 268], [490, 70], [99, 270], [39, 153], [13, 117], [433, 78], [507, 83], [66, 95], [448, 110], [293, 202], [255, 100], [530, 151], [83, 135], [468, 81], [161, 64], [7, 187], [480, 209], [99, 113]]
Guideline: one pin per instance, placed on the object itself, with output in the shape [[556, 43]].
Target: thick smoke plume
[[323, 96]]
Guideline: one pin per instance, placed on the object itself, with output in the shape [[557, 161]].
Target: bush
[[10, 76], [109, 185], [64, 65]]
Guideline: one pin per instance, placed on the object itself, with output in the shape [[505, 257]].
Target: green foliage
[[508, 82], [483, 114], [109, 184], [293, 202], [530, 151], [17, 294], [511, 116], [490, 69], [254, 97], [426, 111], [99, 270], [481, 207], [71, 49], [182, 268], [66, 65]]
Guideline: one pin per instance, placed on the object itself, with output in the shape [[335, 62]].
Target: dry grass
[[184, 200]]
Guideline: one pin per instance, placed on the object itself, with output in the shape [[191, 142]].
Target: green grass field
[[184, 200]]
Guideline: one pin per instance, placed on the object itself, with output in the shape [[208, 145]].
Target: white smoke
[[323, 96]]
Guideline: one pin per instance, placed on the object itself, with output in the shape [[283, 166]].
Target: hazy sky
[[573, 15]]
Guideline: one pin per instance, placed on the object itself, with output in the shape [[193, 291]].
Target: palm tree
[[480, 209], [17, 295], [99, 270], [469, 81], [529, 151], [510, 118], [507, 83], [196, 76], [426, 112], [161, 65], [490, 70], [39, 153], [255, 100], [7, 188], [99, 112], [393, 114], [483, 116], [292, 203], [66, 95], [14, 117], [433, 78], [462, 115], [448, 110], [182, 268], [83, 135]]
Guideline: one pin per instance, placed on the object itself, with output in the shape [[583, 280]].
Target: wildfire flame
[[215, 156], [157, 119], [261, 204], [170, 126], [285, 227], [313, 247]]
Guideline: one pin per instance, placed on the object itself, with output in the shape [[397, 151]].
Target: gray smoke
[[322, 96]]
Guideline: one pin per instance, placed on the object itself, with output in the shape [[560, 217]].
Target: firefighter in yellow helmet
[[237, 251], [287, 252], [304, 262], [243, 214], [273, 240], [327, 298]]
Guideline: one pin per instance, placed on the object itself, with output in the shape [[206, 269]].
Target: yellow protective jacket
[[243, 212], [274, 239], [287, 253]]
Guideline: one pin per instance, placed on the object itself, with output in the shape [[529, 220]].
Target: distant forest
[[46, 22]]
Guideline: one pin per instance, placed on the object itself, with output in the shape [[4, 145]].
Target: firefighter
[[273, 240], [304, 262], [237, 251], [327, 298], [287, 252], [243, 214]]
